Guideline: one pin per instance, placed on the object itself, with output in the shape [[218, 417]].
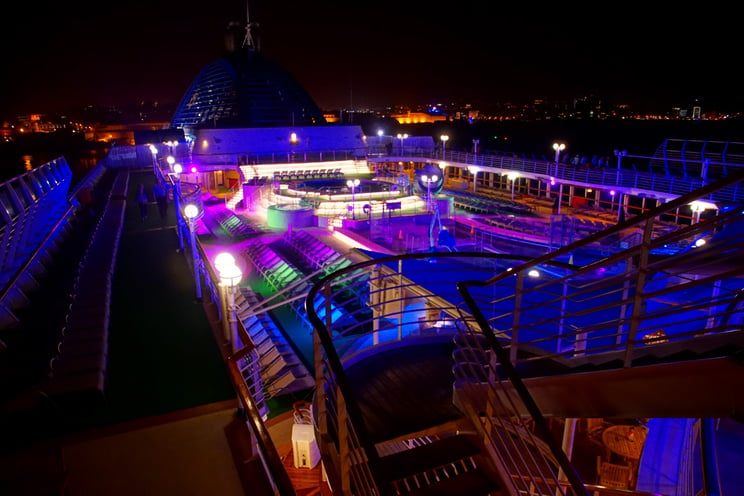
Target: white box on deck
[[304, 448]]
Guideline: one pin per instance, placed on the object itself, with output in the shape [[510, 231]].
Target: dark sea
[[32, 151]]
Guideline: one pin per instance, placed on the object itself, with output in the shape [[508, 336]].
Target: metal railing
[[359, 311], [507, 311], [659, 185], [265, 449], [683, 281], [377, 305]]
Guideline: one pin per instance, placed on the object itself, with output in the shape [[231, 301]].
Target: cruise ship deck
[[166, 361], [319, 311]]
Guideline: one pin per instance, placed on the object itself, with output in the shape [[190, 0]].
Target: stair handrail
[[336, 376], [269, 455], [357, 434], [334, 381], [507, 358], [541, 425]]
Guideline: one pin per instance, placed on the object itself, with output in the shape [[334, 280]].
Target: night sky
[[59, 55]]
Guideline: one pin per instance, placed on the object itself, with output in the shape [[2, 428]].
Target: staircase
[[527, 336], [447, 465], [234, 200]]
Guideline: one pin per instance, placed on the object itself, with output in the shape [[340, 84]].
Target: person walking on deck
[[161, 197], [142, 201]]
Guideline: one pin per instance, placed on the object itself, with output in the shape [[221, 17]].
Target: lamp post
[[428, 180], [444, 139], [474, 171], [697, 209], [191, 211], [154, 151], [352, 183], [401, 137], [172, 146], [512, 176], [380, 134], [620, 209], [177, 170], [222, 260], [195, 172], [558, 147], [475, 146], [443, 167], [619, 154], [230, 276]]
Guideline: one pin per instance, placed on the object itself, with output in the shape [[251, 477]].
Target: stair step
[[425, 457], [471, 483]]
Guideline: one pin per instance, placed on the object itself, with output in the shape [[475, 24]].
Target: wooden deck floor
[[306, 481]]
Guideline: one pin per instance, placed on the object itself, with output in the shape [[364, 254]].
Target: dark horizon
[[528, 138], [348, 55]]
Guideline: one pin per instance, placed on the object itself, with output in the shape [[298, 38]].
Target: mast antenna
[[248, 41]]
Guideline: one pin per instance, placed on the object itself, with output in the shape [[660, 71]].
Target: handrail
[[266, 447], [637, 220], [341, 380], [333, 360], [355, 276], [635, 285], [272, 461], [525, 315], [516, 381], [729, 184], [660, 185], [644, 222], [600, 490]]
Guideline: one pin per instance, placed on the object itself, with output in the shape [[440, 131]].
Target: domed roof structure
[[244, 89]]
